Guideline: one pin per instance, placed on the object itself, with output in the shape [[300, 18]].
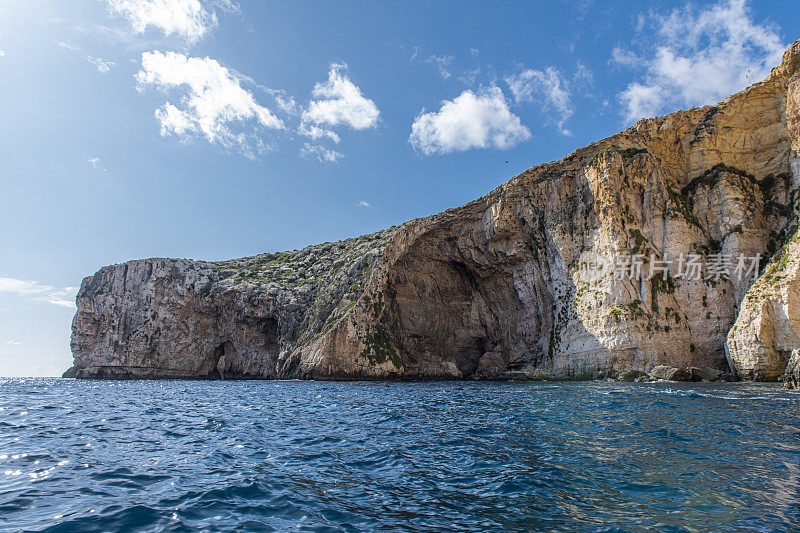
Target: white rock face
[[767, 331], [492, 289]]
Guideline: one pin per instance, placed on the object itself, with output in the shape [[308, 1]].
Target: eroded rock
[[491, 289], [670, 373], [791, 380]]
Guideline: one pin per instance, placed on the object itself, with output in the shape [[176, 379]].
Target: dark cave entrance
[[272, 344], [440, 310], [223, 354]]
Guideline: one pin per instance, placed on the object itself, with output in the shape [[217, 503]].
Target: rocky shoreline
[[494, 289]]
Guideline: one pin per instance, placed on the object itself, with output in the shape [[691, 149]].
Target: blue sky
[[213, 129]]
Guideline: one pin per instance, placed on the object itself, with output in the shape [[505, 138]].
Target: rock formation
[[767, 329], [766, 335], [495, 288]]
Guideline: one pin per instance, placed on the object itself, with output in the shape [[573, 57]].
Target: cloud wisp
[[320, 153], [214, 104], [62, 297], [103, 66], [698, 57], [471, 120], [549, 87], [442, 64]]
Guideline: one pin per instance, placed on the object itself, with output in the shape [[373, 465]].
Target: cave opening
[[272, 345], [223, 354]]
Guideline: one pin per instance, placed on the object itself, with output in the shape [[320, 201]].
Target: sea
[[394, 456]]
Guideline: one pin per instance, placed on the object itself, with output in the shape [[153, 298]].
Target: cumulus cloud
[[699, 57], [187, 19], [63, 297], [320, 153], [214, 104], [13, 342], [364, 203], [2, 53], [471, 120], [548, 86], [339, 101], [336, 102]]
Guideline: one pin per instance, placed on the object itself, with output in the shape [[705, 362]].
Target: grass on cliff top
[[306, 266]]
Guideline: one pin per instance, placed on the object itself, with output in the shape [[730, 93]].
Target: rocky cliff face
[[767, 330], [494, 289], [764, 343], [231, 319]]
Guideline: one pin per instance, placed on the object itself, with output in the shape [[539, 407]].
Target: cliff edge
[[497, 289]]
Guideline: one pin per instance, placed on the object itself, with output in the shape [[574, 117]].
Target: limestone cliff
[[492, 289], [765, 340], [767, 329]]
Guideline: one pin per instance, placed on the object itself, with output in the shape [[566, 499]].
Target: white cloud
[[339, 101], [322, 154], [2, 53], [315, 132], [584, 76], [642, 100], [624, 57], [102, 65], [187, 19], [336, 102], [64, 297], [285, 102], [227, 5], [471, 120], [699, 57], [13, 342], [364, 203], [442, 64], [214, 101], [474, 51], [549, 86]]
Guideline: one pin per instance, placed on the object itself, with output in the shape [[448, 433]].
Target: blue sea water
[[451, 456]]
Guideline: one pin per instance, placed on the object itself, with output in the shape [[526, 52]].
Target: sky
[[213, 129]]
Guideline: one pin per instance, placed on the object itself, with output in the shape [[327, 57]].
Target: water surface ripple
[[317, 456]]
